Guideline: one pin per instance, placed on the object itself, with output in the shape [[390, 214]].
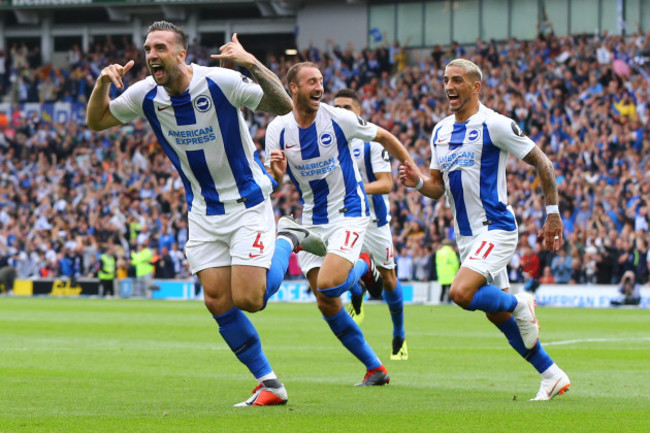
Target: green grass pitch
[[93, 365]]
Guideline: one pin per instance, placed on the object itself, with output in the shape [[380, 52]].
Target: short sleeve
[[128, 105], [379, 158], [272, 139], [354, 126], [238, 88], [508, 136], [434, 159]]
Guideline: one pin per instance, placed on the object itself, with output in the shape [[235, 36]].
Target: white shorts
[[488, 254], [240, 238], [343, 238], [379, 243]]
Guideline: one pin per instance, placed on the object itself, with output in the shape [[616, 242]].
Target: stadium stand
[[65, 193]]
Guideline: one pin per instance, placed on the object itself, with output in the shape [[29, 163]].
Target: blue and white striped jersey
[[320, 162], [472, 158], [204, 134], [372, 158]]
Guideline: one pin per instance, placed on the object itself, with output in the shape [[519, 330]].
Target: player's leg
[[344, 265], [554, 380], [393, 296], [483, 257], [347, 331], [216, 250]]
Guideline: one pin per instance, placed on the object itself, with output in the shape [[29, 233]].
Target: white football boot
[[524, 314]]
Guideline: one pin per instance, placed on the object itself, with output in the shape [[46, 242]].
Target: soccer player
[[469, 151], [195, 113], [313, 146], [373, 162]]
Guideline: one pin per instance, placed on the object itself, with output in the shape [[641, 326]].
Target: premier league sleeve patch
[[516, 129]]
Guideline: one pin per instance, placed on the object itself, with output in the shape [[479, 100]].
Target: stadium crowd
[[66, 193]]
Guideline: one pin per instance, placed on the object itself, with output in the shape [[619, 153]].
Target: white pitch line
[[593, 340]]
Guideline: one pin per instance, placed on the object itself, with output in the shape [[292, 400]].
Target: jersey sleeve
[[128, 105], [434, 159], [238, 88], [379, 158], [507, 136], [354, 126], [272, 140]]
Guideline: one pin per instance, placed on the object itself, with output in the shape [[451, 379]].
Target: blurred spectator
[[447, 265], [531, 269], [547, 276], [630, 291], [561, 267]]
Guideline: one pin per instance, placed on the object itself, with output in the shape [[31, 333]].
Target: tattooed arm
[[552, 230], [275, 100]]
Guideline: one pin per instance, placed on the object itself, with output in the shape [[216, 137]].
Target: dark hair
[[167, 26], [347, 93], [293, 71]]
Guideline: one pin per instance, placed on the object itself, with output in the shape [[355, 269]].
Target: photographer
[[630, 291]]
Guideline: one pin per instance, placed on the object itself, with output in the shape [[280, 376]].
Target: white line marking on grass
[[593, 340]]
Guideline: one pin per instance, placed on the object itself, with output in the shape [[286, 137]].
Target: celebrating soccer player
[[373, 162], [313, 145], [195, 113], [469, 151]]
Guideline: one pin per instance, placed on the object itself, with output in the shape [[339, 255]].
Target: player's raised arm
[[552, 230], [98, 115], [275, 99]]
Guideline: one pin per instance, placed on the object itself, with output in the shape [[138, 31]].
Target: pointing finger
[[128, 66]]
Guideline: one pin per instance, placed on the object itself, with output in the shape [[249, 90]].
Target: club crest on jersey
[[326, 139], [202, 103], [473, 135], [356, 152]]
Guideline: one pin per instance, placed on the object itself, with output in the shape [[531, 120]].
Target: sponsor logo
[[252, 256], [326, 139], [385, 155], [473, 135], [202, 103], [163, 108], [361, 121], [289, 146], [441, 139]]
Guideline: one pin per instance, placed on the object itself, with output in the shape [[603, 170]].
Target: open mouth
[[157, 71], [453, 99], [316, 97]]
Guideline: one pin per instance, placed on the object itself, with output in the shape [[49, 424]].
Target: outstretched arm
[[392, 145], [552, 230], [276, 100], [98, 116]]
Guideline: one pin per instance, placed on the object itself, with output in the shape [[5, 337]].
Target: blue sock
[[491, 299], [242, 338], [279, 265], [356, 290], [396, 308], [351, 336], [357, 271], [537, 356]]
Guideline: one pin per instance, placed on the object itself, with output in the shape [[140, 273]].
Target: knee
[[461, 295], [327, 306], [249, 301]]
